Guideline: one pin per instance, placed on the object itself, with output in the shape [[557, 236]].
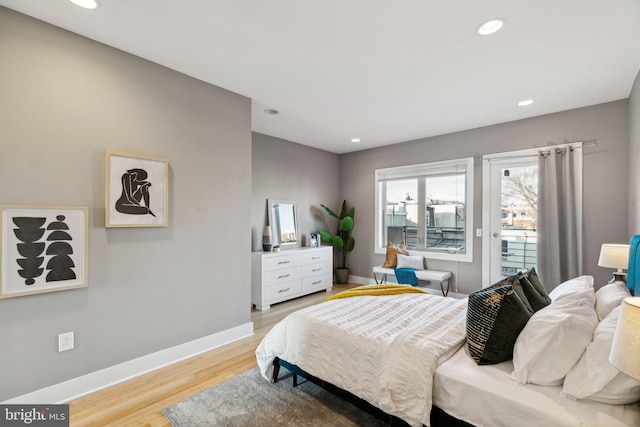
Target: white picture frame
[[43, 249], [136, 190]]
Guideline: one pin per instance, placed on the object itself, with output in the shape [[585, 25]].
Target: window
[[505, 249], [429, 206]]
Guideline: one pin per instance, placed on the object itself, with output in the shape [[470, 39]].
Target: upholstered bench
[[441, 277]]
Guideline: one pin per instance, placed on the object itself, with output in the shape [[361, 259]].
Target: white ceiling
[[381, 70]]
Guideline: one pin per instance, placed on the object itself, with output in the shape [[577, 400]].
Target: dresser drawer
[[281, 261], [315, 269], [275, 277], [320, 255], [317, 283], [282, 290]]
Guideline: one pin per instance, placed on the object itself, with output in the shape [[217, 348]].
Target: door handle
[[496, 234]]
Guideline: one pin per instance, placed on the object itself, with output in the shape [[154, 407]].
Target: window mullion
[[422, 224]]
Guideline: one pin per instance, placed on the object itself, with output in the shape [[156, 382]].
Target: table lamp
[[625, 350], [615, 256]]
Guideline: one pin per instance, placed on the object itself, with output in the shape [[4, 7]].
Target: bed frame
[[439, 418]]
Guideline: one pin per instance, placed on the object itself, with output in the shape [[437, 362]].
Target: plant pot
[[342, 276]]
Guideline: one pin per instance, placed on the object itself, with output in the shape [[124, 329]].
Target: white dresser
[[279, 276]]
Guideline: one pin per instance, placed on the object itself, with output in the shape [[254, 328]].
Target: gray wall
[[634, 158], [64, 100], [605, 180], [285, 170]]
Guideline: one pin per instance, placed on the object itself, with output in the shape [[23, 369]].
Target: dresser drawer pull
[[283, 276], [316, 269], [284, 290], [315, 257], [317, 282], [284, 262]]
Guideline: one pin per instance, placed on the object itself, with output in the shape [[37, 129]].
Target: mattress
[[485, 396], [384, 349]]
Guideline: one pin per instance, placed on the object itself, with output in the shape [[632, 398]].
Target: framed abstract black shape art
[[136, 190], [44, 249]]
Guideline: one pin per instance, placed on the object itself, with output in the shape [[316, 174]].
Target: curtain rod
[[585, 144]]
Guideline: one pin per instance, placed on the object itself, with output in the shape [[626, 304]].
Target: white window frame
[[418, 171]]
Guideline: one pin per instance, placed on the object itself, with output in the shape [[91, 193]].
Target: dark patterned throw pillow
[[517, 288], [495, 317]]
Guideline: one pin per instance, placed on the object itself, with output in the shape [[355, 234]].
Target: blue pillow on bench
[[406, 276]]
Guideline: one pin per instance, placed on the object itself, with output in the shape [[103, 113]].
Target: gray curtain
[[558, 252]]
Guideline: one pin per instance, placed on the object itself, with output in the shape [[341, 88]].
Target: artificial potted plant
[[342, 241]]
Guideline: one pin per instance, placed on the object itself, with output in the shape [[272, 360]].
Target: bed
[[408, 355]]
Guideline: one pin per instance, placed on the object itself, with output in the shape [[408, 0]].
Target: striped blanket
[[384, 350]]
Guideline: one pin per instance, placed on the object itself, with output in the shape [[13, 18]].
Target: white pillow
[[554, 339], [411, 261], [594, 377], [571, 287], [609, 297]]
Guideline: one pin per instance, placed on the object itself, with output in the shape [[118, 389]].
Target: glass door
[[512, 224]]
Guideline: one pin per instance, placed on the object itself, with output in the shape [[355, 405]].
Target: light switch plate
[[65, 341]]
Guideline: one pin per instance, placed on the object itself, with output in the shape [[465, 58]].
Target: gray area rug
[[249, 400]]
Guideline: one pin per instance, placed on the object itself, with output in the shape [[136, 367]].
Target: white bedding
[[485, 397], [408, 335]]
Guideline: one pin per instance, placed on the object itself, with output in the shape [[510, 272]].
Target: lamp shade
[[614, 256], [625, 350]]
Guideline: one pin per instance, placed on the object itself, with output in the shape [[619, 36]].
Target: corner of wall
[[634, 158]]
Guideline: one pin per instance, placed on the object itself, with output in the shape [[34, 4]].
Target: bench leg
[[382, 279], [444, 293]]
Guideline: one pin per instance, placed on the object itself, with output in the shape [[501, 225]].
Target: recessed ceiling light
[[525, 102], [271, 111], [355, 139], [490, 27], [86, 4]]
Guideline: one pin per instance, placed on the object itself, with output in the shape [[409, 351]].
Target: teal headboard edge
[[633, 272]]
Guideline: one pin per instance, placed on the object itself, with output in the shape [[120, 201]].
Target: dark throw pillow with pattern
[[495, 317], [535, 293], [517, 287]]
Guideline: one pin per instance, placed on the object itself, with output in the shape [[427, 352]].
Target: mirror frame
[[275, 228]]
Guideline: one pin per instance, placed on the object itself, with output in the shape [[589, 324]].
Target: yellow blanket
[[374, 290]]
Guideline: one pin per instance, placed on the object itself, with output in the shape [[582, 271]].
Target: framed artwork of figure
[[136, 193]]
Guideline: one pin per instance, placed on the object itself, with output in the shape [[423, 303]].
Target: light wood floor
[[138, 402]]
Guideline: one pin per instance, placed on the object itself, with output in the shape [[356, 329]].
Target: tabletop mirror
[[283, 219]]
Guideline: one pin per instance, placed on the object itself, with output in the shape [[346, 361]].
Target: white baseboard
[[361, 280], [72, 389]]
